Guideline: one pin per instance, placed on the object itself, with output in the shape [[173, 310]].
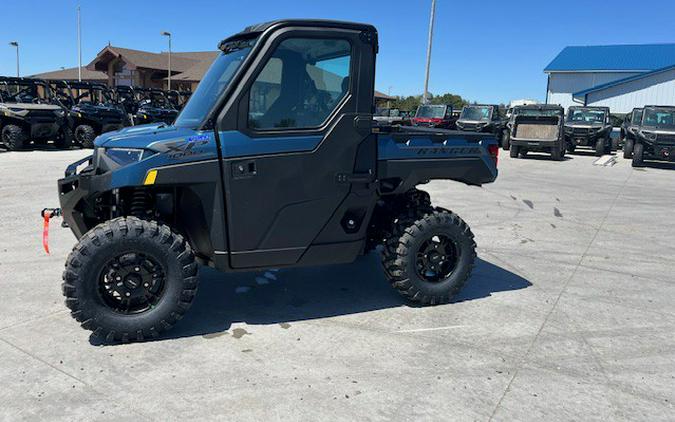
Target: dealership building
[[620, 77], [116, 66]]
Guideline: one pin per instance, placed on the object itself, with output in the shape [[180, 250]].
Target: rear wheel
[[85, 135], [556, 154], [65, 138], [514, 150], [432, 257], [571, 148], [638, 155], [129, 279], [14, 137], [628, 149]]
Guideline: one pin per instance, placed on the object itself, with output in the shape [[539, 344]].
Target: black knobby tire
[[514, 151], [65, 138], [615, 144], [401, 259], [556, 153], [506, 140], [628, 149], [85, 135], [14, 137], [86, 284], [571, 147], [600, 147], [608, 145], [638, 155]]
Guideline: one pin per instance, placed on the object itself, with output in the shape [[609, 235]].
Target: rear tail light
[[493, 149]]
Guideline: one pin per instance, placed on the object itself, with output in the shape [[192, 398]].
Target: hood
[[30, 106], [142, 136]]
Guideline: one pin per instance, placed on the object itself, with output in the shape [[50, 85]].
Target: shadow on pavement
[[284, 296], [661, 165]]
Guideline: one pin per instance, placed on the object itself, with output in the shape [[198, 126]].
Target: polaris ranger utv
[[153, 107], [629, 127], [538, 128], [29, 112], [655, 138], [92, 110], [484, 119], [436, 116], [274, 162], [589, 127]]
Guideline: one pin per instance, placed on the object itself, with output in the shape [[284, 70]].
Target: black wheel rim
[[437, 258], [131, 283]]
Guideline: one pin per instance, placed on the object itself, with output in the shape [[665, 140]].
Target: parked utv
[[178, 99], [29, 112], [655, 138], [484, 119], [274, 162], [125, 98], [589, 127], [629, 128], [538, 128], [92, 110], [153, 107], [436, 116], [389, 116]]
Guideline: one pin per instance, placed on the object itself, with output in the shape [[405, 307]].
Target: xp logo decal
[[189, 147]]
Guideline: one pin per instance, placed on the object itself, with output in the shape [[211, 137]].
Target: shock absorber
[[138, 203]]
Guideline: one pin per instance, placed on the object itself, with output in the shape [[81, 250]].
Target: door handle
[[244, 169], [354, 177]]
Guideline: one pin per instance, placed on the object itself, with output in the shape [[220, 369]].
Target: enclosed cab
[[389, 116], [92, 110], [484, 119], [538, 128], [655, 137], [29, 112], [629, 128], [435, 116], [275, 161], [588, 127]]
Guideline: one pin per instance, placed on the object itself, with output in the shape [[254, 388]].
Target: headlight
[[118, 157], [648, 135]]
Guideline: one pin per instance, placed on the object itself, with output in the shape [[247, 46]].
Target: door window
[[301, 84]]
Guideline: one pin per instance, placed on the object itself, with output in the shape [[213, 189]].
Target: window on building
[[301, 84]]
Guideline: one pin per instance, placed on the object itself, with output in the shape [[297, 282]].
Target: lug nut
[[127, 294]]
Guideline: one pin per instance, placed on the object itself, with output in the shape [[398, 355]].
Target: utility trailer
[[538, 128], [274, 162]]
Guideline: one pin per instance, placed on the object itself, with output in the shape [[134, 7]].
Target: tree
[[410, 103]]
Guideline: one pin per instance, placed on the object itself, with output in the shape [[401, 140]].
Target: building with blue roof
[[620, 77]]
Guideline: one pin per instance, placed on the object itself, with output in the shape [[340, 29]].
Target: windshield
[[538, 112], [475, 113], [661, 118], [636, 119], [214, 83], [23, 93], [588, 116], [431, 112]]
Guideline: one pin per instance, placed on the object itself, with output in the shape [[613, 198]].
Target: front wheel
[[129, 279], [638, 155], [14, 137], [431, 259], [85, 135], [557, 153], [65, 138], [600, 147], [628, 149], [506, 140]]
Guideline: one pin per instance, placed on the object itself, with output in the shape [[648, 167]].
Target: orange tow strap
[[45, 233]]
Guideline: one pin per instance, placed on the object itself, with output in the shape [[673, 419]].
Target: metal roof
[[641, 58], [622, 81]]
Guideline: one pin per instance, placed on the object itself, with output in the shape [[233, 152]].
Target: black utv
[[537, 128], [154, 107], [30, 112], [589, 127], [274, 162], [485, 119], [92, 110], [629, 128], [125, 98], [655, 137], [178, 99]]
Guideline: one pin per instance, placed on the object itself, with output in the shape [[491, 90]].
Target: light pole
[[79, 46], [168, 34], [425, 97], [16, 44]]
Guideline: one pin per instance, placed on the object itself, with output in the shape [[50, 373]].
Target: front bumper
[[77, 194]]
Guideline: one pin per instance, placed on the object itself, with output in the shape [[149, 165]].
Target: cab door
[[303, 117]]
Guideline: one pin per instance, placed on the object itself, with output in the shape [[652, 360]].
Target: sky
[[484, 50]]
